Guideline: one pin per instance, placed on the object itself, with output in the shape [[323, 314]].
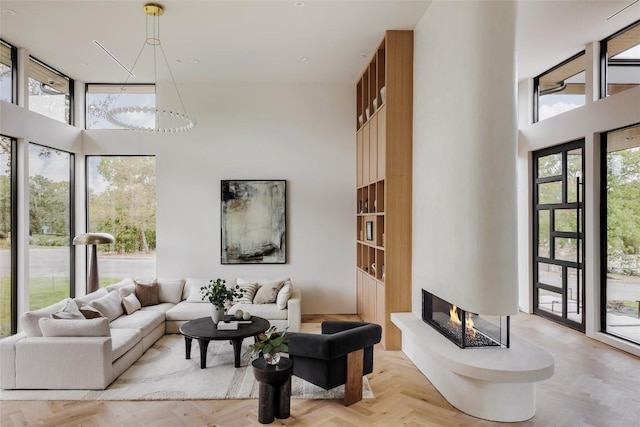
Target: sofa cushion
[[170, 290], [125, 287], [163, 307], [284, 294], [30, 319], [268, 292], [192, 290], [130, 304], [267, 311], [74, 328], [189, 311], [70, 311], [110, 305], [145, 321], [123, 340], [86, 299]]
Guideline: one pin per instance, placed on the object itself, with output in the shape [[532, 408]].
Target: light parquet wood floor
[[594, 385]]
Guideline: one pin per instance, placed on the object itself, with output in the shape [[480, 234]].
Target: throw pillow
[[147, 293], [110, 305], [127, 290], [284, 294], [268, 293], [126, 283], [170, 290], [194, 286], [131, 304], [75, 328], [30, 319], [192, 283], [89, 312], [70, 311], [86, 299], [248, 293]]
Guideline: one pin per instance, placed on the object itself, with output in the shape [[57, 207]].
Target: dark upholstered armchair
[[342, 354]]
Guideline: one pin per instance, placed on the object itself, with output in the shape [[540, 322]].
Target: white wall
[[464, 193], [303, 133]]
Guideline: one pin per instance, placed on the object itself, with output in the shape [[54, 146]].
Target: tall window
[[50, 207], [560, 89], [7, 72], [121, 198], [621, 54], [621, 234], [7, 248], [50, 92], [102, 97]]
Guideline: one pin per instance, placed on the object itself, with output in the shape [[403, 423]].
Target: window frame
[[604, 62], [72, 218], [13, 177], [87, 198], [71, 120], [536, 84], [87, 87], [604, 233], [14, 71]]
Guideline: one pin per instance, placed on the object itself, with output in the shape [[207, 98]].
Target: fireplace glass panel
[[449, 320]]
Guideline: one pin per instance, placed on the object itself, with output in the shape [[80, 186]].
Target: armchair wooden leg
[[353, 382]]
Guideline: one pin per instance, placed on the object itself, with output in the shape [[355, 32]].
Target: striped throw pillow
[[248, 292]]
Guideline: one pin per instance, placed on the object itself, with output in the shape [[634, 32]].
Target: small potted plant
[[271, 343], [217, 293]]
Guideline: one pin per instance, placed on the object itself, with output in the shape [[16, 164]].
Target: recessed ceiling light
[[363, 56], [179, 61], [10, 12], [302, 58], [195, 61], [299, 4]]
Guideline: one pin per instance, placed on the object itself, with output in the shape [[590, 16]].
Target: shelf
[[384, 165]]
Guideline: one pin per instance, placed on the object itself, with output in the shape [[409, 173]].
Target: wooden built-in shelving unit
[[384, 122]]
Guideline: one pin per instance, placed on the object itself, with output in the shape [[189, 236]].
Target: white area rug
[[163, 373]]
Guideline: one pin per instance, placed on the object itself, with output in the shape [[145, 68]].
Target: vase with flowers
[[217, 293], [271, 343]]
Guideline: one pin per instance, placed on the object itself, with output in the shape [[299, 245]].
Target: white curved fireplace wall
[[465, 136]]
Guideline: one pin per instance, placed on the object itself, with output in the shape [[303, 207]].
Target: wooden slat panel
[[398, 179], [624, 41], [128, 89], [5, 55], [373, 149], [48, 77], [562, 73]]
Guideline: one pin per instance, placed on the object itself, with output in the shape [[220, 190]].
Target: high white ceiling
[[261, 40]]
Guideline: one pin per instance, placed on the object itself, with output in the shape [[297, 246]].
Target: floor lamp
[[93, 239]]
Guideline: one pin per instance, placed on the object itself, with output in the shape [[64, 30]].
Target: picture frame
[[253, 222]]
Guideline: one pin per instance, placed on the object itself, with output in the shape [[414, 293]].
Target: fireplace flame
[[455, 321], [453, 316]]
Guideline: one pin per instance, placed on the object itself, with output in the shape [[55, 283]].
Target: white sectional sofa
[[59, 349]]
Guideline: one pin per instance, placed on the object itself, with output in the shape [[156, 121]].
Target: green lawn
[[44, 291]]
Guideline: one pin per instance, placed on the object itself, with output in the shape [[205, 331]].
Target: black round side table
[[274, 393]]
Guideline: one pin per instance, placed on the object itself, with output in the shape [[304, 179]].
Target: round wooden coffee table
[[204, 330]]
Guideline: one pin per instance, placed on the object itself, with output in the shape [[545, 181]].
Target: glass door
[[558, 237]]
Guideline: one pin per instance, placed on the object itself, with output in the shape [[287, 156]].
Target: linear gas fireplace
[[479, 330]]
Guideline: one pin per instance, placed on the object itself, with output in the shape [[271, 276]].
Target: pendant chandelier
[[165, 120]]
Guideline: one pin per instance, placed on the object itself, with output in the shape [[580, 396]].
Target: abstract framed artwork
[[253, 222]]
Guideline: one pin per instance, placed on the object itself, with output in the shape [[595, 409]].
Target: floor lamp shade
[[93, 239]]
